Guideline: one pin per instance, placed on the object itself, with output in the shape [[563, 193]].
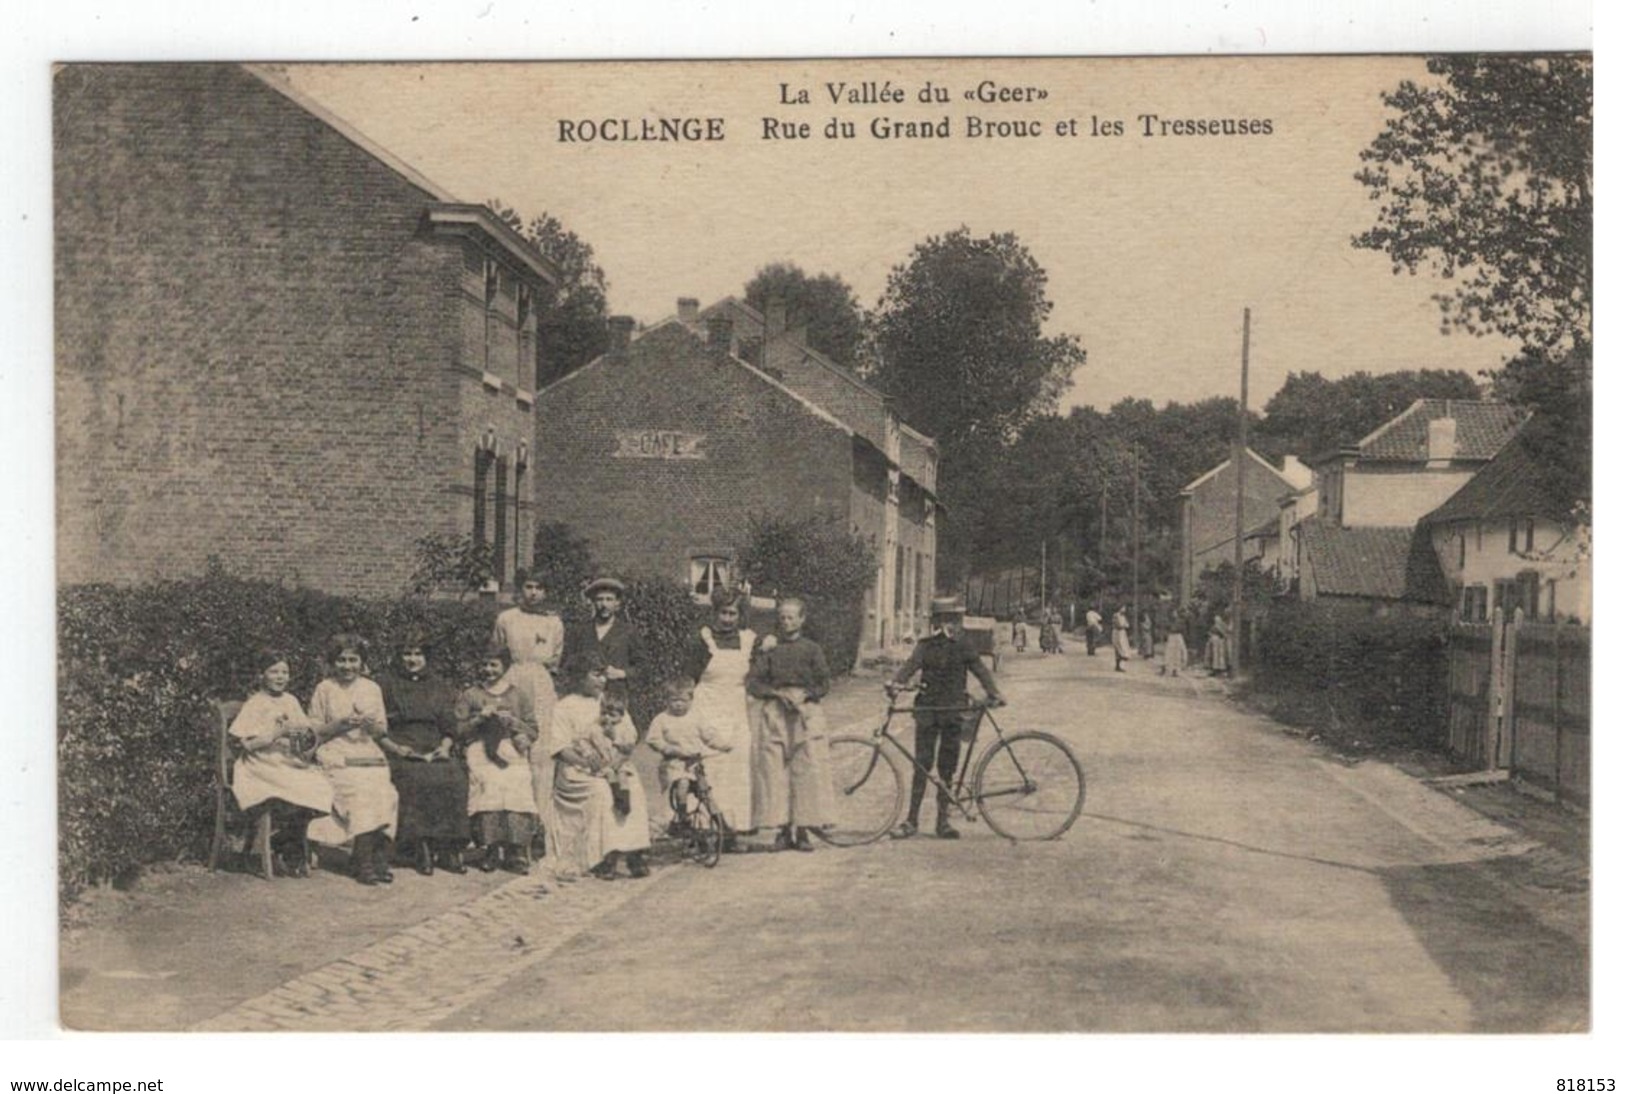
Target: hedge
[[138, 668], [1384, 675]]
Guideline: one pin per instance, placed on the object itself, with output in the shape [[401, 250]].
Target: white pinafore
[[719, 697]]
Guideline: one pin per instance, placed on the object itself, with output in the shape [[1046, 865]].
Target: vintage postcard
[[873, 545]]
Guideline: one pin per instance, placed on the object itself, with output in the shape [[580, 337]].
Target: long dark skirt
[[434, 800], [504, 826]]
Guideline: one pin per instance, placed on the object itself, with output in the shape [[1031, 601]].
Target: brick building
[[1207, 514], [675, 439], [276, 345]]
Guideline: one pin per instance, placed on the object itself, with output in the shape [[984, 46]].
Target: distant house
[[1506, 540], [1406, 467], [277, 345], [1207, 514], [674, 441], [1362, 542]]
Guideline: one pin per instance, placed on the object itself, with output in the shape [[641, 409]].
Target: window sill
[[491, 380]]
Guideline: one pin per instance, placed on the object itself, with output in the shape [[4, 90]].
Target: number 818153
[[1585, 1086]]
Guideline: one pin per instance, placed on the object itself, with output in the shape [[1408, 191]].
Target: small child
[[681, 737], [598, 800], [495, 718]]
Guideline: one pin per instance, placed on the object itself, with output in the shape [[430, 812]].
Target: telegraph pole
[[1134, 547], [1240, 458]]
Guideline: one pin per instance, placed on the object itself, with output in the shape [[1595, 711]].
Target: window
[[1512, 537], [499, 545], [1478, 532], [493, 280], [1475, 606], [1529, 535], [1461, 552], [706, 573], [482, 464], [1551, 601]]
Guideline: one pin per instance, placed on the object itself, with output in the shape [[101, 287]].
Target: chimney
[[688, 310], [720, 333], [1441, 441], [777, 315], [620, 332]]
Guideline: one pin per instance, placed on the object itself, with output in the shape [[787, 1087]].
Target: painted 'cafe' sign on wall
[[658, 444]]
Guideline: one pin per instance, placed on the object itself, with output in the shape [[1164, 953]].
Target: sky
[[1153, 245]]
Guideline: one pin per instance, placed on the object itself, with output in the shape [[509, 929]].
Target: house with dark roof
[[277, 344], [1506, 540], [1207, 514], [676, 438], [1362, 542]]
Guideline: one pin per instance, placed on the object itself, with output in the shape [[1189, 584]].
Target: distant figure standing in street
[[1218, 645], [1091, 629], [1121, 648], [1018, 633], [793, 792], [1174, 654], [1148, 637]]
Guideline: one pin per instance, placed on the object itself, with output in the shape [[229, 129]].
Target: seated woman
[[276, 770], [498, 726], [427, 772], [599, 807], [347, 711]]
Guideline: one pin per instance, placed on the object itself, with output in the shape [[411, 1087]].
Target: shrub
[[818, 560], [1386, 676], [452, 563], [137, 668], [562, 559]]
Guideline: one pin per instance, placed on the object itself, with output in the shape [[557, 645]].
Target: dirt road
[[1223, 877]]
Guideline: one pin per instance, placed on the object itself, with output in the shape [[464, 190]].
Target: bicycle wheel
[[705, 839], [868, 782], [1029, 786]]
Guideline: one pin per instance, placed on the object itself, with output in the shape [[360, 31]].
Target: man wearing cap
[[606, 634], [943, 661]]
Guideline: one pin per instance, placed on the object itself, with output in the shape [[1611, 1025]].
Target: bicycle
[[695, 813], [1027, 785]]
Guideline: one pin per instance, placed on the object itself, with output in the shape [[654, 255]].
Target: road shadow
[[1518, 974]]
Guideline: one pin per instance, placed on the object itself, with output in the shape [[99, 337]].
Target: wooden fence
[[1520, 700]]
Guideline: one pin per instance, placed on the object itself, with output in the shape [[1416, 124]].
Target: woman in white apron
[[719, 661]]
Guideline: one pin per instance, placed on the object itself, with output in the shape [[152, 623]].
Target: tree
[[1485, 176], [573, 324], [824, 304], [960, 347]]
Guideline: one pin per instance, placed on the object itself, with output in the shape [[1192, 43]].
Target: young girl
[[682, 735], [347, 713], [276, 770], [593, 771], [498, 725]]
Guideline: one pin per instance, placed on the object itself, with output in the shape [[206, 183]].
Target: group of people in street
[[1128, 642], [405, 769]]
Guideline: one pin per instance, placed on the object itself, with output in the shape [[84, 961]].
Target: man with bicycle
[[943, 661]]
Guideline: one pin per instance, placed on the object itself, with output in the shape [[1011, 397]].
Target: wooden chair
[[255, 823]]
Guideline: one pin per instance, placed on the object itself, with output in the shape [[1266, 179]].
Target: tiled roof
[[1515, 484], [1482, 429], [1376, 563]]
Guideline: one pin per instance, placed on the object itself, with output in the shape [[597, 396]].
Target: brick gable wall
[[260, 352], [764, 453]]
